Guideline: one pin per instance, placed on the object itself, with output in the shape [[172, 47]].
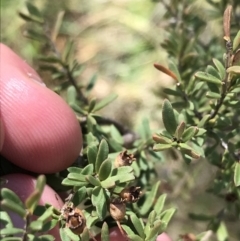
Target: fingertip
[[42, 133], [163, 237], [8, 57]]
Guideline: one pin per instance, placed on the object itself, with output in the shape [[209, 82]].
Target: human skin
[[41, 132], [38, 130]]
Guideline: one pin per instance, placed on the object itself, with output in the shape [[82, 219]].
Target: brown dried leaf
[[226, 22], [165, 71]]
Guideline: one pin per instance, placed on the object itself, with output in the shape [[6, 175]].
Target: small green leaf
[[40, 184], [116, 134], [99, 201], [91, 105], [36, 225], [105, 232], [50, 225], [64, 235], [92, 154], [145, 129], [161, 147], [50, 59], [127, 229], [76, 177], [67, 51], [137, 225], [15, 207], [134, 237], [189, 133], [167, 215], [69, 182], [208, 77], [150, 199], [91, 123], [92, 180], [184, 146], [32, 34], [77, 108], [34, 11], [102, 154], [150, 222], [108, 183], [236, 41], [105, 169], [234, 69], [213, 95], [79, 196], [11, 239], [32, 201], [71, 95], [222, 233], [154, 231], [122, 170], [220, 67], [91, 220], [85, 235], [75, 169], [5, 220], [30, 18], [47, 214], [213, 71], [91, 83], [180, 129], [203, 121], [11, 231], [237, 174], [107, 100], [9, 195], [46, 237], [168, 117], [173, 67], [121, 178], [161, 139], [71, 235], [158, 207], [172, 92], [88, 170]]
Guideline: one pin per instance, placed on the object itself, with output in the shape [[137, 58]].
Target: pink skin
[[38, 131], [41, 133]]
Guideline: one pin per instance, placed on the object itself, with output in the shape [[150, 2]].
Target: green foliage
[[200, 116]]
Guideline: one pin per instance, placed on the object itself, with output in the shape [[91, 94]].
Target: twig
[[122, 231]]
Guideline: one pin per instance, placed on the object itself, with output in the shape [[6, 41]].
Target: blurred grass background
[[119, 41]]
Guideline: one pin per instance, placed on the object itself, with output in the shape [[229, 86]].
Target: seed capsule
[[131, 194], [74, 218], [124, 159], [117, 210]]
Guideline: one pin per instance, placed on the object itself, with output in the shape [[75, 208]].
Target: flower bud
[[117, 210]]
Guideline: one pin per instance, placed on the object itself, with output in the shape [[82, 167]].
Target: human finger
[[41, 133]]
